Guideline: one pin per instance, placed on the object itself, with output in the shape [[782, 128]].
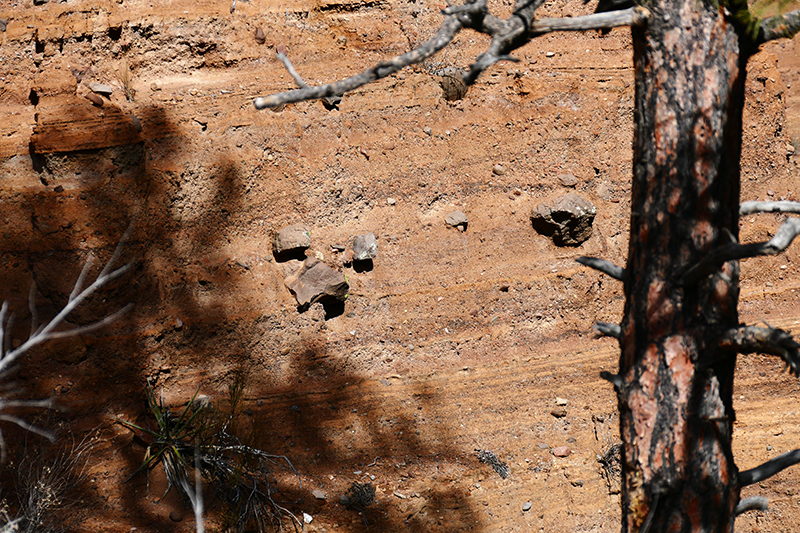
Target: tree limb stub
[[609, 330], [769, 469], [778, 27], [749, 208], [732, 251], [507, 36], [754, 503], [606, 267], [754, 339]]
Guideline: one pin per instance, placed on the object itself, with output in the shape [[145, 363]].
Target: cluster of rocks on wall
[[566, 219], [316, 280]]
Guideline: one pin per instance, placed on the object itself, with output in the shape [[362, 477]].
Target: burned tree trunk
[[675, 394], [680, 332]]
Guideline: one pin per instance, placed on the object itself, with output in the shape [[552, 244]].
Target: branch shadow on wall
[[335, 424]]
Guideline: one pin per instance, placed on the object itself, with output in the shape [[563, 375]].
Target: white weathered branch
[[48, 331], [779, 27], [732, 251], [634, 16], [769, 469], [748, 208], [754, 339], [606, 267], [507, 35]]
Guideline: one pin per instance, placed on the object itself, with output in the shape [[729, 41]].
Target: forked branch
[[48, 331], [507, 35], [731, 251], [754, 339]]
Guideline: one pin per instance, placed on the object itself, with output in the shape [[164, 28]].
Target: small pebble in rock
[[543, 446], [307, 518], [498, 170], [561, 451], [175, 516], [550, 54], [527, 506], [428, 131], [770, 192], [561, 401], [259, 36], [391, 201], [559, 413], [577, 483]]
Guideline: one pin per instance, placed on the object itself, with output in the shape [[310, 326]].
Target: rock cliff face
[[451, 341]]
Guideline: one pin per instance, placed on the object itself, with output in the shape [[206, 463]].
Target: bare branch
[[450, 27], [609, 330], [754, 503], [779, 26], [754, 339], [769, 469], [634, 16], [748, 208], [731, 251], [507, 36], [606, 267], [614, 379]]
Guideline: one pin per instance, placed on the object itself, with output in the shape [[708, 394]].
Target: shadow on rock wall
[[195, 324]]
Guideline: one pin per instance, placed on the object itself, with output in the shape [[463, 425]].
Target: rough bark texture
[[675, 405]]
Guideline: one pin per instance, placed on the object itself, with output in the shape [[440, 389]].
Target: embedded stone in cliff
[[365, 247], [101, 88], [567, 219], [317, 282], [291, 242], [457, 219]]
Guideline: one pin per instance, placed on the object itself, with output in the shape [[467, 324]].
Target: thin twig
[[606, 267], [634, 16], [769, 469], [732, 251]]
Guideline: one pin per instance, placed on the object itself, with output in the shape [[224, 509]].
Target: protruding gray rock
[[101, 88], [527, 506], [317, 282], [567, 180], [457, 219], [567, 219], [291, 240], [365, 247]]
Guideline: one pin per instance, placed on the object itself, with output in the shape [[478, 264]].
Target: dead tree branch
[[606, 267], [754, 339], [732, 251], [47, 332], [507, 35], [779, 26], [748, 208], [769, 469], [754, 503], [609, 330]]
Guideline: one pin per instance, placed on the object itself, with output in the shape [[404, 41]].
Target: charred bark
[[676, 412]]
